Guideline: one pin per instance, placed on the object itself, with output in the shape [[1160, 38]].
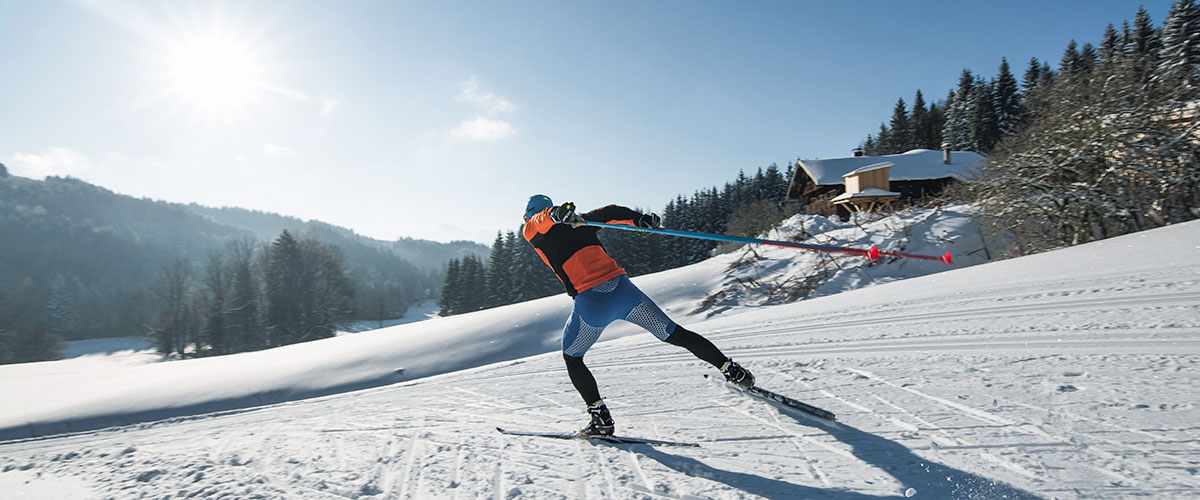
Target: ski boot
[[602, 422], [736, 375]]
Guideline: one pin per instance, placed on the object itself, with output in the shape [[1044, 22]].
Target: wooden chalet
[[867, 189], [911, 176]]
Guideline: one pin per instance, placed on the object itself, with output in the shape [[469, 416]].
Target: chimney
[[858, 151], [946, 153]]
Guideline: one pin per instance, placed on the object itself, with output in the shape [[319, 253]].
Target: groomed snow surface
[[1068, 374]]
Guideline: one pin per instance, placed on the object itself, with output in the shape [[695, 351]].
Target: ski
[[609, 439], [777, 399]]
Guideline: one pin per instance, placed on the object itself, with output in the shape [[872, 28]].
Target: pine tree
[[499, 289], [520, 270], [286, 299], [178, 323], [1179, 67], [984, 127], [672, 218], [1124, 40], [1034, 83], [246, 332], [1087, 58], [1071, 63], [449, 303], [901, 130], [1145, 40], [1031, 80], [327, 294], [474, 277], [937, 121], [883, 141], [922, 131], [65, 305], [1109, 47], [1141, 50], [776, 184], [957, 133], [1006, 100], [216, 285]]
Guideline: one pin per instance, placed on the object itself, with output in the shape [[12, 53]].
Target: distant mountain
[[84, 260]]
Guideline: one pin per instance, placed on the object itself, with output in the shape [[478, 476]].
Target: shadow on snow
[[928, 478]]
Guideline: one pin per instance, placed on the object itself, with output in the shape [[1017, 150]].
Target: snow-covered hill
[[1069, 374], [90, 393]]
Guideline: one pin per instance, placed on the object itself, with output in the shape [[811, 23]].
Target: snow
[[421, 311], [1069, 374], [866, 193], [91, 354], [111, 346], [870, 168], [18, 484], [918, 164]]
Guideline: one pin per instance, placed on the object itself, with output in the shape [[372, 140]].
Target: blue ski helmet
[[537, 203]]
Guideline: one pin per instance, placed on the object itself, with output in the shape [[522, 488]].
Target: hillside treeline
[[1104, 145], [253, 297], [1110, 144], [78, 261]]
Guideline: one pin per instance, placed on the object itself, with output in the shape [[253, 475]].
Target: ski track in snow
[[1056, 388]]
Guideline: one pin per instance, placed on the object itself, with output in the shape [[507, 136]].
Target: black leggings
[[585, 383]]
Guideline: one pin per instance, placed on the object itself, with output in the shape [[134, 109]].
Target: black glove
[[563, 214], [651, 221]]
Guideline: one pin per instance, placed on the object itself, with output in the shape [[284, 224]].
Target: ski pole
[[872, 253]]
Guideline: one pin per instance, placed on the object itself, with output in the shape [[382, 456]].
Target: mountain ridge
[[83, 259]]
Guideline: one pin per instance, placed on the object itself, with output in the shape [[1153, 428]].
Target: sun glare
[[214, 73]]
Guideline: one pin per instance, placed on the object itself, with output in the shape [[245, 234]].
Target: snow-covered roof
[[918, 164], [866, 193], [868, 168]]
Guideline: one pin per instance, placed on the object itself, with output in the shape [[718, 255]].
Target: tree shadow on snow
[[931, 480]]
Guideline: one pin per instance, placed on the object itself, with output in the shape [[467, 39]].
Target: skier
[[603, 293]]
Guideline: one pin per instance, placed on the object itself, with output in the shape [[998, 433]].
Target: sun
[[214, 73]]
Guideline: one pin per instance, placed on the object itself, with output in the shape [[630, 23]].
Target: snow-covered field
[[1069, 374]]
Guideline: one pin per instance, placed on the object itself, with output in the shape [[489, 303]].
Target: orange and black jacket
[[575, 254]]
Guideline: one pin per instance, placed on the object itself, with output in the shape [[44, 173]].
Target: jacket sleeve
[[614, 214], [538, 224]]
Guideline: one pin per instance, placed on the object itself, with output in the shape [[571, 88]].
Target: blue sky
[[437, 119]]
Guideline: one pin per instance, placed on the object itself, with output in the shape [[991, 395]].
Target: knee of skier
[[677, 335], [572, 360]]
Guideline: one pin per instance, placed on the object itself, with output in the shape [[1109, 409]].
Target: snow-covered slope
[[1069, 374], [89, 393]]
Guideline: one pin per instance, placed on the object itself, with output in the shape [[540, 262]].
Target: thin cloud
[[55, 161], [474, 92], [277, 151], [328, 105], [482, 129], [285, 92]]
